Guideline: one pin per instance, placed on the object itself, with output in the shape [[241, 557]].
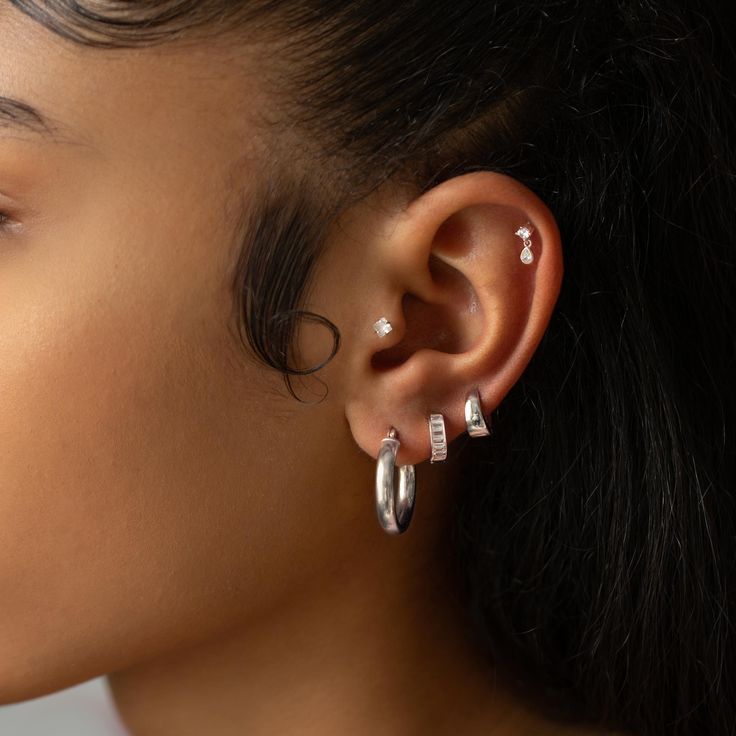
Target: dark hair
[[595, 533]]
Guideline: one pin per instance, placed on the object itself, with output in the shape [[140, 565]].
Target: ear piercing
[[525, 233], [382, 327], [474, 420], [395, 506], [437, 438]]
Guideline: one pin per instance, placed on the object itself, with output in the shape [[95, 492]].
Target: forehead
[[106, 98]]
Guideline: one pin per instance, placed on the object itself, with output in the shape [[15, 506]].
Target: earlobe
[[471, 274]]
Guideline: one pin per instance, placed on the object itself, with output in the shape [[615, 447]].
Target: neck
[[376, 650]]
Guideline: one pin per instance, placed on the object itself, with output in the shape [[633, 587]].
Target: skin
[[169, 515]]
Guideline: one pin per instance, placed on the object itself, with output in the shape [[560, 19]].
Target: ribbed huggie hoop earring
[[394, 509], [437, 438]]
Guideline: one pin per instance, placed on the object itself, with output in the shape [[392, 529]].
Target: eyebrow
[[20, 116]]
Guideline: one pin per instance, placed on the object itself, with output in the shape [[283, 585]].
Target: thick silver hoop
[[474, 420], [437, 438], [394, 508]]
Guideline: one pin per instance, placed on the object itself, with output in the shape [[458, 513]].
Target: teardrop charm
[[526, 255]]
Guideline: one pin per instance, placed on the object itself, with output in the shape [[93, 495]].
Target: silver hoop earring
[[474, 420], [437, 438], [525, 233], [394, 509]]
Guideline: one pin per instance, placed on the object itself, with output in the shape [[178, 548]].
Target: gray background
[[83, 710]]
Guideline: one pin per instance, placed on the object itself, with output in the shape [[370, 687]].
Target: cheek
[[112, 439]]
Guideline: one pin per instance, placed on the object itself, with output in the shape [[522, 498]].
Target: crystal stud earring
[[382, 327], [525, 233]]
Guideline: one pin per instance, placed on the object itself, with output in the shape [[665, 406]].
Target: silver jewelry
[[437, 437], [474, 420], [525, 233], [394, 509], [382, 327]]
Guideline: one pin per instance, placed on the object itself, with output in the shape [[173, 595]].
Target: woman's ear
[[466, 312]]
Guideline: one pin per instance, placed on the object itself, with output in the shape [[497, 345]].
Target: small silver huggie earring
[[525, 233], [437, 438], [394, 508], [474, 419]]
